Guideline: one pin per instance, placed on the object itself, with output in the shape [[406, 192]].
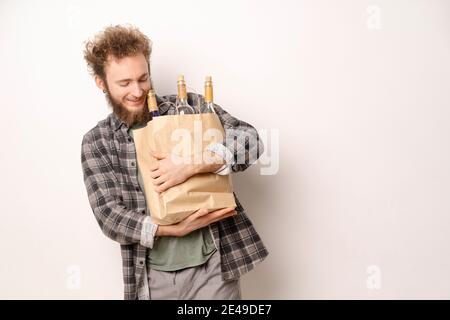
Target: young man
[[201, 257]]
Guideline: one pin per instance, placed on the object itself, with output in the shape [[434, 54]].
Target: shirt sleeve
[[148, 232], [241, 138], [226, 154], [115, 220]]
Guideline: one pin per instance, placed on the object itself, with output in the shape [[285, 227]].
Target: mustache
[[144, 96], [130, 118]]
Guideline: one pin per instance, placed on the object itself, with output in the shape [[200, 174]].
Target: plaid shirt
[[109, 164]]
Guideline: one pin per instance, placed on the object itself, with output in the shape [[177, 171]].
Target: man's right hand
[[199, 219]]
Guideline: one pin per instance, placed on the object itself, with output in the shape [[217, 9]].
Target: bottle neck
[[208, 94], [151, 102], [182, 95]]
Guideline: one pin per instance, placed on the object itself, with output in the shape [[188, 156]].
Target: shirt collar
[[116, 123]]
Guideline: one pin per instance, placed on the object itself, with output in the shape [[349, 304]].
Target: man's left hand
[[166, 173]]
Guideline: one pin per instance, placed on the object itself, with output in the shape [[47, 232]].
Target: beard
[[130, 118]]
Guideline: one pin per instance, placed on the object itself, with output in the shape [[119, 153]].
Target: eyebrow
[[124, 80]]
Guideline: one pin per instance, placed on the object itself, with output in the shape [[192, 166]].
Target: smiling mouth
[[137, 102]]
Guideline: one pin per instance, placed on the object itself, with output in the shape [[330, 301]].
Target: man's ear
[[100, 83]]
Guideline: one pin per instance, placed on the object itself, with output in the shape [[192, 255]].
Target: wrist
[[165, 231], [211, 162]]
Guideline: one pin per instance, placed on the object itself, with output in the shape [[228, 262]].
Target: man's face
[[127, 84]]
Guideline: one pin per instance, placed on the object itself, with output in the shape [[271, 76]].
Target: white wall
[[359, 92]]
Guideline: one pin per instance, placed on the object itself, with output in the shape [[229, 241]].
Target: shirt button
[[143, 211], [132, 164], [129, 139], [137, 189]]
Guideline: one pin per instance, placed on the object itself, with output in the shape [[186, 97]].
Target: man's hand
[[199, 219], [166, 173]]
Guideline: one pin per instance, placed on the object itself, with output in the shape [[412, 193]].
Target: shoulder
[[100, 134], [193, 98]]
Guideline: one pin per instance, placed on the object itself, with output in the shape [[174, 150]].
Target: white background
[[359, 92]]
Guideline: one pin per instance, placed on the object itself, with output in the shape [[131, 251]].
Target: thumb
[[158, 155], [202, 212]]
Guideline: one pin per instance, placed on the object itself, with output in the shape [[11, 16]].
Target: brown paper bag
[[186, 136]]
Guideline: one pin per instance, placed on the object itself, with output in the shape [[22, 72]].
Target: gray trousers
[[202, 282]]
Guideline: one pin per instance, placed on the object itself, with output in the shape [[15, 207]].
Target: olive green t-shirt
[[175, 253]]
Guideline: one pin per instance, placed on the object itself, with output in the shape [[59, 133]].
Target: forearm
[[243, 145], [117, 222], [166, 231], [151, 231], [241, 139]]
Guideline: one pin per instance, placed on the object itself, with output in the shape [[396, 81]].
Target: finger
[[197, 214], [222, 215], [166, 185], [154, 166], [219, 214], [230, 214], [158, 155], [213, 214], [200, 213], [155, 174], [225, 210], [158, 181]]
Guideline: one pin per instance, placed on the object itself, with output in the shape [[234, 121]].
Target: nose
[[137, 90]]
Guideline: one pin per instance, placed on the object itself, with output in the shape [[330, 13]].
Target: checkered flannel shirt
[[108, 158]]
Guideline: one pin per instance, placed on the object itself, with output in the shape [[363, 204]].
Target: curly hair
[[116, 41]]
